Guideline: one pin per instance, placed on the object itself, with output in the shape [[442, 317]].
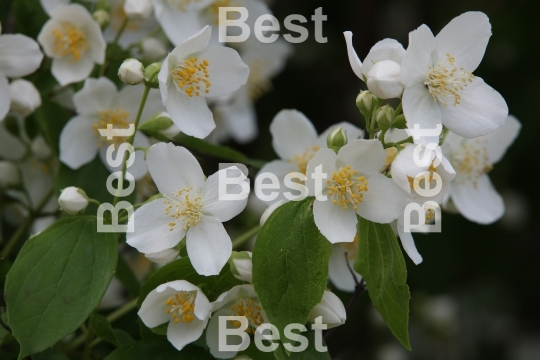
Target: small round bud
[[153, 49], [385, 116], [336, 139], [131, 72], [73, 200], [102, 17], [399, 122], [331, 310], [102, 5], [138, 9], [242, 265], [384, 79], [365, 101], [24, 96], [151, 74], [160, 125], [9, 175]]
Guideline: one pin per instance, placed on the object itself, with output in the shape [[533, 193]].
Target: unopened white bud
[[384, 79], [9, 175], [153, 49], [102, 17], [385, 116], [365, 101], [331, 309], [242, 265], [163, 257], [24, 96], [73, 200], [336, 139], [131, 72], [138, 9], [266, 214]]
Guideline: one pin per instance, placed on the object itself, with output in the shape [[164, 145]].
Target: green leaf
[[51, 119], [290, 264], [127, 277], [57, 280], [218, 151], [310, 353], [50, 354], [380, 261], [158, 350], [103, 329]]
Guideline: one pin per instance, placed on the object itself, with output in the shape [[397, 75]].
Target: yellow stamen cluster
[[214, 9], [346, 188], [257, 84], [118, 118], [69, 40], [181, 306], [192, 76], [302, 160], [471, 161], [185, 207], [446, 80], [251, 310]]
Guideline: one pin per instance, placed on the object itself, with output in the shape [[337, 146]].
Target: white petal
[[202, 305], [292, 134], [19, 55], [208, 246], [465, 37], [165, 80], [331, 309], [193, 45], [50, 5], [4, 96], [181, 334], [417, 60], [95, 96], [239, 117], [173, 168], [420, 109], [383, 202], [334, 222], [339, 272], [190, 114], [238, 291], [226, 69], [67, 71], [212, 337], [404, 167], [223, 210], [153, 311], [163, 257], [152, 233], [501, 139], [280, 169], [328, 159], [480, 203], [387, 49], [78, 142], [362, 155], [408, 243], [138, 169], [178, 25], [481, 110], [354, 60]]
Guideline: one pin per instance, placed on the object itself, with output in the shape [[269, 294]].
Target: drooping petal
[[178, 25], [67, 71], [481, 110], [181, 334], [417, 60], [501, 139], [19, 55], [421, 110], [153, 311], [152, 232], [4, 96], [387, 49], [95, 96], [173, 168], [208, 246], [78, 142], [408, 243], [225, 209], [339, 272], [327, 159], [362, 155], [226, 69], [383, 202], [481, 203], [334, 222], [465, 37], [354, 60], [292, 134]]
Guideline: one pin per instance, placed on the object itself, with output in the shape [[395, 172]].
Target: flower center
[[181, 306], [214, 9], [191, 77], [257, 83], [118, 118], [184, 207], [445, 81], [302, 160], [471, 161], [346, 188], [251, 310], [69, 40]]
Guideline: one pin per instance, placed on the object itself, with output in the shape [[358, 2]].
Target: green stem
[[113, 44], [14, 240], [399, 108], [239, 241]]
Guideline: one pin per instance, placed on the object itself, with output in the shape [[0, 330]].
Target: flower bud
[[138, 9], [384, 79], [365, 101], [73, 200], [242, 265], [131, 72], [153, 49], [24, 96], [40, 148], [160, 126], [385, 116], [9, 175], [102, 5], [336, 139], [163, 257], [399, 122], [102, 17], [151, 74], [331, 309], [266, 214]]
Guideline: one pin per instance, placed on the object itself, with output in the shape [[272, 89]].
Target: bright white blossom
[[25, 98], [131, 72], [98, 104], [438, 79], [180, 304], [331, 309], [73, 39], [353, 186], [471, 191], [194, 71], [73, 200], [138, 9], [190, 208], [9, 174], [341, 263]]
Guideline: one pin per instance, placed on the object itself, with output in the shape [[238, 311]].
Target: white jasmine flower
[[438, 79], [194, 71], [331, 309], [341, 263], [73, 39], [241, 300], [381, 69], [131, 72], [138, 9], [25, 98], [471, 191], [183, 305], [99, 103], [73, 200], [9, 174], [153, 49], [353, 186], [191, 207], [19, 56]]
